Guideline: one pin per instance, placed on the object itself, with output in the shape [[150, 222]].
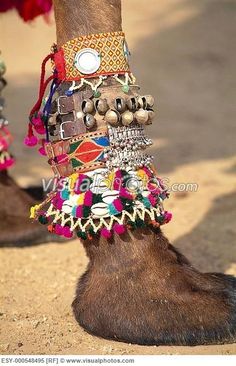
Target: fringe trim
[[97, 224]]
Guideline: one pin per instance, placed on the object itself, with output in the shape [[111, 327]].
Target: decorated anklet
[[93, 124]]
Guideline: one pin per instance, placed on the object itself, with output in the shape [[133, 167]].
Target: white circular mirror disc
[[87, 61]]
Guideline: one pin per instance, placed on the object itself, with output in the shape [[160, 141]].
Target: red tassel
[[30, 140], [27, 9]]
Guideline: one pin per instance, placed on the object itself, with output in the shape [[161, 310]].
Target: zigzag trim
[[98, 223]]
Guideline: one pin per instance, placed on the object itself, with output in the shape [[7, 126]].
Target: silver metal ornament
[[89, 121], [120, 105], [112, 117], [101, 106], [132, 104], [87, 106], [149, 101], [127, 118], [142, 103], [151, 116], [141, 116]]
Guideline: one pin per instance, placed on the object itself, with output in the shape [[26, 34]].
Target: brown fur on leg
[[140, 289], [81, 17]]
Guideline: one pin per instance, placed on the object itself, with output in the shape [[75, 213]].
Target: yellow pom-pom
[[33, 211]]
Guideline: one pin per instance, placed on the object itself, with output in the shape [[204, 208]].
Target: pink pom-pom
[[37, 120], [38, 124], [3, 144], [57, 202], [153, 188], [42, 151], [168, 216], [58, 229], [153, 200], [30, 140], [119, 229], [124, 193], [88, 199], [10, 162], [106, 233], [78, 184], [79, 211], [3, 166], [118, 205], [67, 232], [40, 129]]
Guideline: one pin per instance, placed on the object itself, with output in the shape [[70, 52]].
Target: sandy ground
[[183, 53]]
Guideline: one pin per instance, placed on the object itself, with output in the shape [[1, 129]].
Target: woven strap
[[82, 153], [111, 49]]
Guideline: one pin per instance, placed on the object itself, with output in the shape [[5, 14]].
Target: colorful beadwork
[[101, 201]]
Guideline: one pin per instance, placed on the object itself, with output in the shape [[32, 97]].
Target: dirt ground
[[183, 53]]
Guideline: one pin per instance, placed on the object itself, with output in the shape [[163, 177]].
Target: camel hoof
[[194, 318], [151, 295]]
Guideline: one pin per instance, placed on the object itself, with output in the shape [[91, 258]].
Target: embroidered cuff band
[[92, 55], [82, 153]]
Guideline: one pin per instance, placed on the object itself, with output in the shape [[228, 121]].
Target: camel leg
[[15, 226], [138, 288]]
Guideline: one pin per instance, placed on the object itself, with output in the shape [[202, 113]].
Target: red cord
[[43, 84], [37, 105], [30, 130], [43, 69]]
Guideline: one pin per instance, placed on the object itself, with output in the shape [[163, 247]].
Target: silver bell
[[101, 106], [149, 101], [151, 116], [127, 118], [112, 117], [132, 103], [89, 121], [141, 116], [120, 105], [142, 103], [87, 106]]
